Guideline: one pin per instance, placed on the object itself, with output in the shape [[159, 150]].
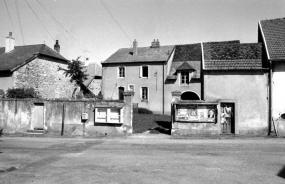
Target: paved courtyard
[[141, 159]]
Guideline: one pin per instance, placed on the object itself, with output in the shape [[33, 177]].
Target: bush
[[89, 95], [144, 111], [22, 93], [2, 93]]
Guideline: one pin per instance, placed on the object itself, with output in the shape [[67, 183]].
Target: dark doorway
[[228, 118], [188, 95], [121, 93]]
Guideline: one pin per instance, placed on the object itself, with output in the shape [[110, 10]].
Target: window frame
[[119, 72], [109, 115], [141, 71], [181, 78], [141, 94], [129, 87]]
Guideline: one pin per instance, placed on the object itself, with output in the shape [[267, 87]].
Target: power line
[[66, 30], [10, 19], [39, 20], [20, 23], [105, 6]]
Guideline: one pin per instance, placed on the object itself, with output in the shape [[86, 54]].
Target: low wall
[[64, 117]]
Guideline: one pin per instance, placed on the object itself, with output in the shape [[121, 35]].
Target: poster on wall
[[197, 113]]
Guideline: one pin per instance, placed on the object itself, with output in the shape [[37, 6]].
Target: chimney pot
[[57, 46], [9, 43], [135, 47]]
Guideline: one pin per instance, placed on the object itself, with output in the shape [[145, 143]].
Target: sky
[[88, 30]]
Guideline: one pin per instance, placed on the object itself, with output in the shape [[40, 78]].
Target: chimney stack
[[57, 46], [9, 43], [135, 47], [155, 44]]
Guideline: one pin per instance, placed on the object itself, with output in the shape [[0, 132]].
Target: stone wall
[[43, 75], [64, 117]]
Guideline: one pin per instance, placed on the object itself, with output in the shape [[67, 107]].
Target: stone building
[[34, 66]]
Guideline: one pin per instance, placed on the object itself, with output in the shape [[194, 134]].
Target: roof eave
[[25, 62], [264, 40]]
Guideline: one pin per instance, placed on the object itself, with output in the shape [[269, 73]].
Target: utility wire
[[20, 23], [66, 30], [11, 19], [39, 20], [110, 13]]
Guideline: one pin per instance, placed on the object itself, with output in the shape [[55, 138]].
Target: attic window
[[184, 78]]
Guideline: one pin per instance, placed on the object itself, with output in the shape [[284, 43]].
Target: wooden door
[[227, 118], [38, 117]]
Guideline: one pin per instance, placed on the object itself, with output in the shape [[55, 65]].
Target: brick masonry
[[43, 75]]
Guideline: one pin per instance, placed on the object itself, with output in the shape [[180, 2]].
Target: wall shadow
[[164, 127], [281, 173]]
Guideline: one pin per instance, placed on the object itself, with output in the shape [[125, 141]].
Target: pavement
[[141, 158]]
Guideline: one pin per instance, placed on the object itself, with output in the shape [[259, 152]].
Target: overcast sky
[[170, 21]]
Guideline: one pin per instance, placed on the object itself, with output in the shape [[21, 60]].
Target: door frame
[[44, 115], [234, 128]]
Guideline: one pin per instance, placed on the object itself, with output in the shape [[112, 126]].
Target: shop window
[[108, 115], [121, 72]]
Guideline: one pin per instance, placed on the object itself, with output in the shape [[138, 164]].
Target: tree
[[75, 72]]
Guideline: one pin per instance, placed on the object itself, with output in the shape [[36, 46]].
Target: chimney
[[57, 46], [155, 44], [135, 47], [10, 43]]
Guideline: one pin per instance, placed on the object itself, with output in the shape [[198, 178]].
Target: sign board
[[84, 116], [196, 113]]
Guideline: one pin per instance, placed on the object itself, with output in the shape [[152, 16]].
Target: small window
[[144, 71], [144, 94], [121, 71], [131, 87], [184, 78]]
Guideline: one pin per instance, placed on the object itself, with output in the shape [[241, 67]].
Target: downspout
[[270, 97], [163, 89], [202, 73]]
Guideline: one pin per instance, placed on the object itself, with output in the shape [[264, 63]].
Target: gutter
[[202, 73]]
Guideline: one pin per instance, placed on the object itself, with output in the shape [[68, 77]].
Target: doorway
[[227, 118], [38, 116], [121, 93]]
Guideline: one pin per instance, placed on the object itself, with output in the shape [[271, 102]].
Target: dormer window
[[184, 78], [121, 72]]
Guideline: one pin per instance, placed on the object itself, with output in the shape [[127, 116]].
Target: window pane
[[145, 71], [121, 72], [144, 93], [101, 115], [115, 115]]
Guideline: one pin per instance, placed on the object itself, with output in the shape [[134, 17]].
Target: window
[[105, 115], [101, 115], [184, 78], [144, 94], [144, 72], [121, 93], [121, 71], [131, 87]]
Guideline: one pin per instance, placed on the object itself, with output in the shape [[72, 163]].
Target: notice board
[[195, 112]]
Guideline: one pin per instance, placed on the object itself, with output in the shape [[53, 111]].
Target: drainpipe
[[270, 97], [163, 89]]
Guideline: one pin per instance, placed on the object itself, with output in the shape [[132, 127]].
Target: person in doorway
[[223, 120]]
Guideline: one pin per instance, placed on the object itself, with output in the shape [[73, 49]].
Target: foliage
[[89, 95], [75, 72], [99, 96], [144, 111], [22, 93], [2, 93]]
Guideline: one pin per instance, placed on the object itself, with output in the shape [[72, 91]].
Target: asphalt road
[[141, 159]]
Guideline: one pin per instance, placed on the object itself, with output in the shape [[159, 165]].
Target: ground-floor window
[[105, 115]]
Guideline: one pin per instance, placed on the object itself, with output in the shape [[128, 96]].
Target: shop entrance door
[[228, 118]]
